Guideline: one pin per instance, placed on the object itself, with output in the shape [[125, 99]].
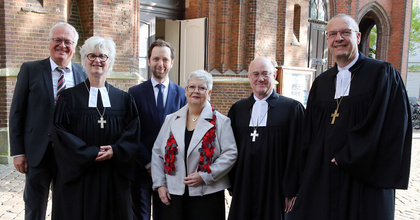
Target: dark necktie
[[159, 104], [61, 85]]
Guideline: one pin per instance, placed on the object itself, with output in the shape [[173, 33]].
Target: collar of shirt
[[164, 83], [54, 65], [350, 64], [68, 76], [164, 89]]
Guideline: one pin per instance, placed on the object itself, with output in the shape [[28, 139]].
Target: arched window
[[317, 42], [318, 10], [296, 22]]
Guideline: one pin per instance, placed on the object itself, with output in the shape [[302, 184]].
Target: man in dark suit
[[31, 116], [153, 104]]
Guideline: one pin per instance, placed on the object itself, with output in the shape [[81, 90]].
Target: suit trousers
[[37, 186], [142, 193]]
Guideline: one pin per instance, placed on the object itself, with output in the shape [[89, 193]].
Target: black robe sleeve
[[378, 150], [293, 170]]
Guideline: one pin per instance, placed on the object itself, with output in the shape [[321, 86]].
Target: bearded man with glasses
[[39, 84]]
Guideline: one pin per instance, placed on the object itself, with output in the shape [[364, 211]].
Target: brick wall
[[229, 25], [295, 51], [266, 28], [224, 95], [120, 21]]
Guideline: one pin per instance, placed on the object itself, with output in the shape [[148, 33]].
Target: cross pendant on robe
[[334, 115], [254, 135], [102, 122]]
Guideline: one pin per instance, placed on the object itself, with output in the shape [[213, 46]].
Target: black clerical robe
[[370, 140], [266, 170], [86, 189]]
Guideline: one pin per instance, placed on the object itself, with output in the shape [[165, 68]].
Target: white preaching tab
[[93, 97], [342, 87], [259, 112], [343, 84]]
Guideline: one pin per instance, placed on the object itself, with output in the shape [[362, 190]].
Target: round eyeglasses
[[200, 89], [102, 57], [257, 75]]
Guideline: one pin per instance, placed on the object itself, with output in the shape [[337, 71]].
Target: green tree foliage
[[372, 42], [415, 29]]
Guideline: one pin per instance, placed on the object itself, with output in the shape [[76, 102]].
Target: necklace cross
[[254, 135], [334, 115], [102, 122]]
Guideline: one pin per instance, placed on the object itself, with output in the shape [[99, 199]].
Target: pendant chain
[[255, 127], [336, 114], [101, 121]]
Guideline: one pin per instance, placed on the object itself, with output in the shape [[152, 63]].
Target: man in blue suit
[[155, 98], [31, 116]]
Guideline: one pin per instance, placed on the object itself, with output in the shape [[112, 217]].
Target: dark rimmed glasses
[[102, 57]]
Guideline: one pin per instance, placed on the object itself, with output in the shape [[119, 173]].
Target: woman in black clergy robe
[[95, 137]]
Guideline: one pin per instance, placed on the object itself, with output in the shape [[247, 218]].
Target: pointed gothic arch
[[370, 15]]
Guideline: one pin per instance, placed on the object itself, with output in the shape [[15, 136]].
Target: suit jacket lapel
[[203, 125], [78, 74], [170, 98], [47, 73]]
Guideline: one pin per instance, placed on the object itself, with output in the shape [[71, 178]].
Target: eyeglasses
[[343, 33], [257, 75], [58, 41], [102, 57], [200, 89]]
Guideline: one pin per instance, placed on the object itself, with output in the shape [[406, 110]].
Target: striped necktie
[[61, 85]]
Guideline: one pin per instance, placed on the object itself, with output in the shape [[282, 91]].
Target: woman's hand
[[164, 195], [105, 153], [194, 179]]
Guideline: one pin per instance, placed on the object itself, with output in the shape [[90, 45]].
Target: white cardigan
[[224, 156]]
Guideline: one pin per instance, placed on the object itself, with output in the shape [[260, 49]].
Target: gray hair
[[97, 44], [201, 75], [69, 26]]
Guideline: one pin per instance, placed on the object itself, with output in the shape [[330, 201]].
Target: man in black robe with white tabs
[[357, 137], [267, 132]]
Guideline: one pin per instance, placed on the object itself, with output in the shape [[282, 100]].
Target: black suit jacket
[[145, 100], [32, 109]]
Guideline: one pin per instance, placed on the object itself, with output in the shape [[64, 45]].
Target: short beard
[[159, 76]]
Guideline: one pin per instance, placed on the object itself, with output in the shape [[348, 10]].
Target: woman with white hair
[[95, 138], [193, 153]]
